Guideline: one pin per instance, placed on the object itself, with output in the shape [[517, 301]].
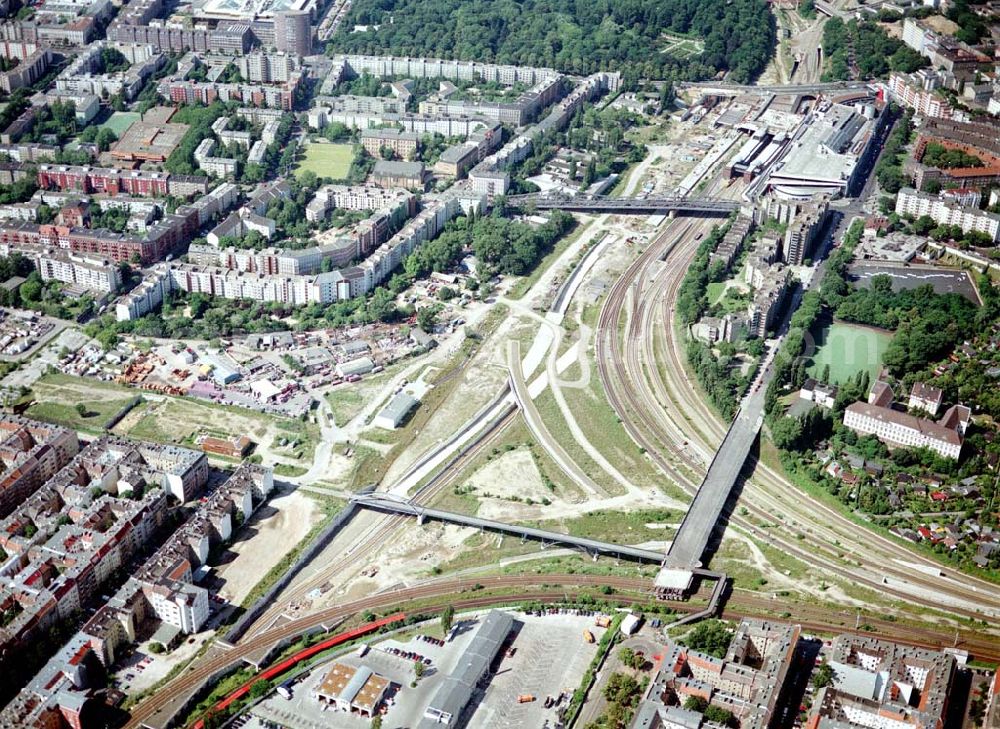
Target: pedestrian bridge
[[392, 504]]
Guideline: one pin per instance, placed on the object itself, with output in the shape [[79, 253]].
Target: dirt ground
[[408, 557], [269, 535]]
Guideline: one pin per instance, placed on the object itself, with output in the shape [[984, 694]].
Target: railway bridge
[[660, 205]]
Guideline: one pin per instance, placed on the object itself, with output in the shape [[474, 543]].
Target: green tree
[[447, 618], [824, 675], [695, 703], [711, 637]]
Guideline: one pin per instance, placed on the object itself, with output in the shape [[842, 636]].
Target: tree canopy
[[738, 35]]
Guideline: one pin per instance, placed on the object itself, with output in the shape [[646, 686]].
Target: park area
[[848, 349], [325, 160]]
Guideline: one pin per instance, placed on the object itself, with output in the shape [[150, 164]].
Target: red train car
[[294, 660]]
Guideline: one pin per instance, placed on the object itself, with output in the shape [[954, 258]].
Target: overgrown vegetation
[[873, 52]]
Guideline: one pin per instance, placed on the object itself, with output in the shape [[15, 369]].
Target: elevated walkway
[[396, 505]]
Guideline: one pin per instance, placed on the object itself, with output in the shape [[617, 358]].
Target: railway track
[[659, 417], [383, 528], [629, 591]]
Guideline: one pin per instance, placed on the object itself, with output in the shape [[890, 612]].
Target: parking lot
[[550, 655], [550, 659]]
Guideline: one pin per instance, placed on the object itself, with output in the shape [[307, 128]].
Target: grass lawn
[[715, 291], [849, 349], [120, 121], [176, 420], [326, 160], [96, 413]]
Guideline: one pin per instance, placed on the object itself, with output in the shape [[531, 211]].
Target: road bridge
[[388, 503], [727, 89], [625, 205], [684, 556]]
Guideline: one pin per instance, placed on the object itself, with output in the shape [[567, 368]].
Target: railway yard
[[513, 414], [833, 576]]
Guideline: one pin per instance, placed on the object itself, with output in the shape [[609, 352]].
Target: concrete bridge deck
[[626, 205]]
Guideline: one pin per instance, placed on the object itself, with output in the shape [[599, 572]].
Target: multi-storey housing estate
[[883, 685], [160, 239], [288, 288], [85, 74], [516, 113], [33, 61], [917, 204], [94, 274], [917, 91], [746, 682]]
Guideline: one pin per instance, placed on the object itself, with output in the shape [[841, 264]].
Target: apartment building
[[85, 76], [217, 166], [400, 203], [390, 66], [30, 68], [883, 685], [917, 91], [96, 180], [917, 204], [746, 682], [162, 589], [765, 310], [31, 453], [732, 243], [402, 144], [228, 136], [230, 39], [206, 92], [407, 175], [94, 274], [268, 68]]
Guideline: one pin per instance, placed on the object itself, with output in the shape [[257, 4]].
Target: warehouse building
[[455, 692]]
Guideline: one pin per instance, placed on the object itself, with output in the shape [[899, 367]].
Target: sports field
[[326, 160], [849, 349], [120, 121]]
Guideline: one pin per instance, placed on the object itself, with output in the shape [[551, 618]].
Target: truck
[[588, 636], [285, 690], [602, 621], [525, 698]]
